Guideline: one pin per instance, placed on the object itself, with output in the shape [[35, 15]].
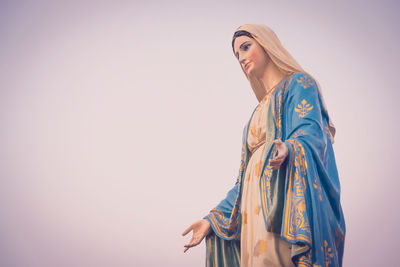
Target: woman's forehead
[[240, 40]]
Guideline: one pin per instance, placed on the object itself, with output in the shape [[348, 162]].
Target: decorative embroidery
[[303, 109], [339, 237], [224, 226], [277, 109], [327, 251], [304, 260], [253, 130], [258, 168], [296, 226], [305, 81], [244, 217], [257, 209], [298, 133], [265, 183], [260, 248], [242, 158], [318, 188]]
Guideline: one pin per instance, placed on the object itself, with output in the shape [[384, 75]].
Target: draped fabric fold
[[312, 218]]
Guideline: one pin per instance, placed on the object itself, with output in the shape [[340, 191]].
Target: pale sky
[[122, 123]]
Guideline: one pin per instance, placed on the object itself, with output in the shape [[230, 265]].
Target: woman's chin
[[250, 71]]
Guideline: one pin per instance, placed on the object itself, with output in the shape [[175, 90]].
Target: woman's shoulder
[[301, 82], [300, 85], [302, 79]]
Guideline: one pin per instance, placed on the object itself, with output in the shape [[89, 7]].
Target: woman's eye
[[245, 47]]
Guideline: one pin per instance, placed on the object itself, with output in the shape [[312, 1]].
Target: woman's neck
[[271, 77]]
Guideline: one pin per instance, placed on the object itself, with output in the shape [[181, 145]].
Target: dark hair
[[240, 33]]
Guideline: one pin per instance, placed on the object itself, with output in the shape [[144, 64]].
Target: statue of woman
[[284, 209]]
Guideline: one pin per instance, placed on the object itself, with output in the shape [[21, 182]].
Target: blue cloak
[[311, 218]]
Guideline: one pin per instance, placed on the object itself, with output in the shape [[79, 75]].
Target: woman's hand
[[200, 228], [283, 151]]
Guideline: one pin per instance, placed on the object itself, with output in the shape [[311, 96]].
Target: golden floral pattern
[[304, 260], [328, 247], [277, 109], [305, 81], [260, 248], [258, 168], [296, 226], [257, 209], [266, 189], [327, 251], [224, 226], [242, 159], [303, 109], [298, 133], [318, 188], [244, 217], [339, 237], [253, 130]]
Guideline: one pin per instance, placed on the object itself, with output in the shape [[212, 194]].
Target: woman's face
[[252, 57]]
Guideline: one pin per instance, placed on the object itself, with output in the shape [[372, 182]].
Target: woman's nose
[[242, 61]]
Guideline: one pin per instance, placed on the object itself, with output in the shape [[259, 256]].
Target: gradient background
[[121, 123]]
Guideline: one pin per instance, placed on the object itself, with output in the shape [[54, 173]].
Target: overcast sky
[[121, 123]]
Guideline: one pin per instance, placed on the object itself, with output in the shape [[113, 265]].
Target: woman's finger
[[187, 230], [274, 167], [272, 164], [275, 161], [279, 157], [194, 241], [276, 164], [191, 244], [277, 142]]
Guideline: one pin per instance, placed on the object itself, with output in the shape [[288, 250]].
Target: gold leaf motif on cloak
[[298, 133], [305, 81], [328, 253], [303, 109], [318, 188]]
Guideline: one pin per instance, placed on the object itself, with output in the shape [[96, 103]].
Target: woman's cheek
[[253, 58], [252, 55]]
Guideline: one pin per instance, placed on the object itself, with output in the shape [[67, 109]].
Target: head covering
[[267, 39]]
